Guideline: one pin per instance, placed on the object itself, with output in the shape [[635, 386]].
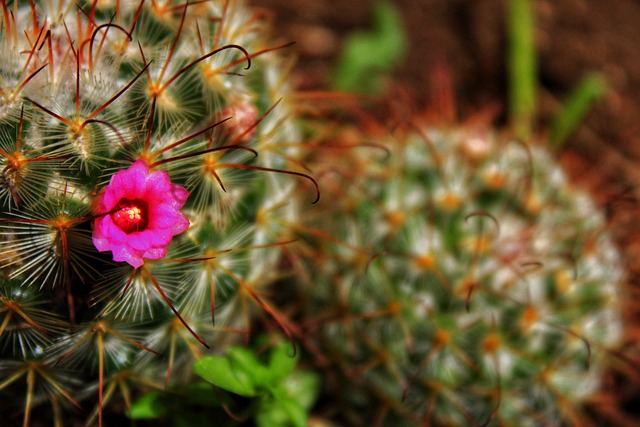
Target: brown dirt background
[[573, 37]]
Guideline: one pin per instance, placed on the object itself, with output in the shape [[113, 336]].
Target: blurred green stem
[[370, 56], [522, 67], [580, 101]]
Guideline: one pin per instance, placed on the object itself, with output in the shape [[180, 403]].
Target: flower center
[[131, 215]]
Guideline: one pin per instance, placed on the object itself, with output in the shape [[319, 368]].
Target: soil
[[573, 37]]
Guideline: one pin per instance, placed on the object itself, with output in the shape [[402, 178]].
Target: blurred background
[[469, 39]]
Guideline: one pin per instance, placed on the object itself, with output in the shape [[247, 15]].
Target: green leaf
[[590, 89], [303, 387], [369, 55], [281, 362], [296, 412], [229, 376], [243, 358], [281, 413], [149, 406], [245, 361]]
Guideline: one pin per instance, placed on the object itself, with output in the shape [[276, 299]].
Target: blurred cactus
[[148, 155], [455, 277]]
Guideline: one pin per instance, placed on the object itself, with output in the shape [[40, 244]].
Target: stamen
[[131, 215]]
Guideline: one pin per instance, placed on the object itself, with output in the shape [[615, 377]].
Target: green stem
[[522, 67], [579, 103]]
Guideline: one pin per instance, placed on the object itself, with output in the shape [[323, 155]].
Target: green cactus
[[124, 125], [456, 278]]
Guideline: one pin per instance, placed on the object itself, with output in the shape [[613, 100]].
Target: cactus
[[455, 277], [148, 155], [153, 177]]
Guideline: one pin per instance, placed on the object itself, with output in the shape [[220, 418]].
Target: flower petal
[[163, 216], [128, 255], [155, 253], [132, 181], [180, 194], [148, 239], [139, 241], [110, 198], [180, 225], [105, 228], [158, 185]]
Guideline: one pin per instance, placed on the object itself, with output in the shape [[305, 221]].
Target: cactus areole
[[139, 213]]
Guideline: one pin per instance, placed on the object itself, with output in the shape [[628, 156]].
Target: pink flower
[[142, 214]]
